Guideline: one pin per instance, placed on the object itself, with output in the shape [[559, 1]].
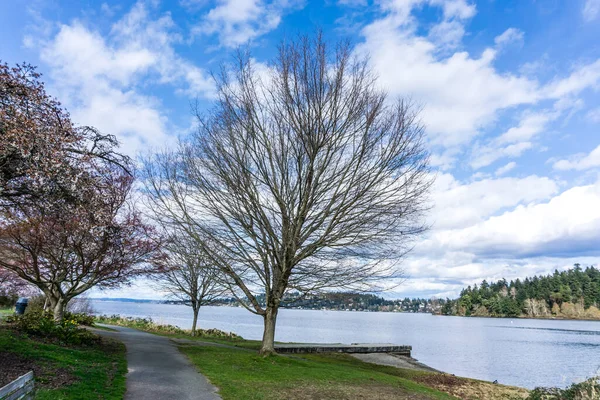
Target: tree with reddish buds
[[40, 148], [68, 249], [66, 219], [11, 287]]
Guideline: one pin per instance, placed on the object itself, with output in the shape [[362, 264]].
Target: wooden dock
[[294, 348]]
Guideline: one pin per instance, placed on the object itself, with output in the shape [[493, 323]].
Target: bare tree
[[303, 177], [188, 276]]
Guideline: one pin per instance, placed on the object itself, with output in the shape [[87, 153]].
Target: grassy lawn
[[243, 374], [61, 372], [240, 373], [5, 311]]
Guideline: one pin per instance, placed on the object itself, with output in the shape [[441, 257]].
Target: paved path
[[157, 370]]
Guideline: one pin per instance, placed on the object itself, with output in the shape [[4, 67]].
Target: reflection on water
[[521, 352]]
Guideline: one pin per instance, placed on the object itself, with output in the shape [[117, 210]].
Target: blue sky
[[509, 91]]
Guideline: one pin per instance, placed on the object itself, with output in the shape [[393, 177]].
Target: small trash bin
[[21, 305]]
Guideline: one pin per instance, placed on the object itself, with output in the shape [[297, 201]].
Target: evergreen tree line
[[572, 293]]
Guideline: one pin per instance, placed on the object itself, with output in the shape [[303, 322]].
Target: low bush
[[143, 324], [587, 390], [42, 324], [35, 304], [8, 300], [148, 325], [80, 318]]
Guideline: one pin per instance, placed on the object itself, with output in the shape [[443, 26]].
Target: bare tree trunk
[[196, 311], [58, 309], [268, 340]]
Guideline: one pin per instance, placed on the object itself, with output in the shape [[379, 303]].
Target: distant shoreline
[[520, 317]]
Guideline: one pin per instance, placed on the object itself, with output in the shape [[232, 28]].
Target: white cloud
[[511, 35], [237, 22], [518, 139], [461, 9], [447, 34], [505, 168], [459, 205], [581, 78], [486, 155], [580, 162], [502, 228], [591, 10], [449, 83], [97, 77], [530, 125], [568, 224], [450, 88]]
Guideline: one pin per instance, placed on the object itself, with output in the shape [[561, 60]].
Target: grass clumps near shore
[[64, 371], [148, 325], [587, 390]]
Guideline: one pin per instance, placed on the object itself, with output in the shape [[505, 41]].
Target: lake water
[[520, 352]]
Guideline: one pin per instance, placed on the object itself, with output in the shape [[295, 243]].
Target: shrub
[[35, 304], [8, 299], [146, 324], [587, 390], [43, 325], [80, 318]]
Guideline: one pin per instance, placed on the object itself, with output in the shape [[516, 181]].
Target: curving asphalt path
[[157, 370]]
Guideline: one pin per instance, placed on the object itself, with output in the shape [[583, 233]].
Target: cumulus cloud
[[459, 205], [447, 34], [236, 22], [568, 224], [455, 107], [98, 77], [502, 228], [448, 82]]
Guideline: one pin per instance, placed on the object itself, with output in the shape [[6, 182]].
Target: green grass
[[5, 311], [89, 372], [242, 374]]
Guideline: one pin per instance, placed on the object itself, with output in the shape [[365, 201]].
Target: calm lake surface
[[520, 352]]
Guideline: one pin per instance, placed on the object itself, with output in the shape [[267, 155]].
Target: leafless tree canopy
[[304, 176], [188, 275]]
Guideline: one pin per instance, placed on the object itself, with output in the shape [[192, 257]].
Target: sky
[[509, 91]]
